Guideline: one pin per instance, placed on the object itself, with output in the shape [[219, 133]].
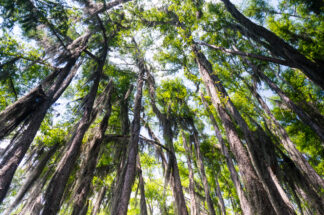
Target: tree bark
[[132, 151], [246, 206], [259, 165], [21, 142], [167, 135], [220, 197], [32, 177], [87, 171], [299, 111], [294, 177], [99, 199], [193, 201], [143, 205], [289, 146], [58, 182], [312, 69], [202, 170]]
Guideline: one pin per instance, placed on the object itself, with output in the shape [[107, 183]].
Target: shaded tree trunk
[[268, 185], [312, 69], [21, 142], [58, 182], [167, 135], [193, 201], [87, 171], [246, 206], [202, 170], [289, 146], [99, 199], [121, 151], [130, 168], [300, 113], [143, 205], [295, 178], [32, 177], [220, 197]]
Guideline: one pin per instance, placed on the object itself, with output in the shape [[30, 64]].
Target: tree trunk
[[167, 135], [268, 185], [300, 113], [32, 177], [290, 147], [245, 205], [121, 151], [142, 187], [193, 201], [202, 170], [294, 176], [313, 70], [58, 182], [21, 142], [220, 197], [99, 199], [132, 151], [87, 171]]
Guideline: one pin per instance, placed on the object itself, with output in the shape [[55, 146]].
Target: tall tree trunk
[[121, 151], [246, 206], [132, 151], [99, 199], [202, 170], [32, 177], [58, 182], [312, 69], [167, 135], [289, 146], [83, 185], [259, 165], [21, 142], [295, 177], [220, 197], [143, 205], [193, 201], [318, 129]]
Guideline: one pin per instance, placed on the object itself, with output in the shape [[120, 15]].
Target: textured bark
[[298, 110], [21, 142], [193, 201], [16, 113], [58, 182], [220, 197], [312, 69], [35, 193], [245, 204], [32, 177], [308, 193], [202, 170], [99, 199], [132, 151], [83, 185], [271, 199], [289, 146], [143, 206], [121, 151], [255, 140], [167, 135]]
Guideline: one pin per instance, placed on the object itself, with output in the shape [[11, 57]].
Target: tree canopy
[[162, 107]]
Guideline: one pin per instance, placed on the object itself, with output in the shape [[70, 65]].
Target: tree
[[171, 107]]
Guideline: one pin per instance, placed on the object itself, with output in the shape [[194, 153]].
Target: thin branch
[[154, 142], [246, 54]]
